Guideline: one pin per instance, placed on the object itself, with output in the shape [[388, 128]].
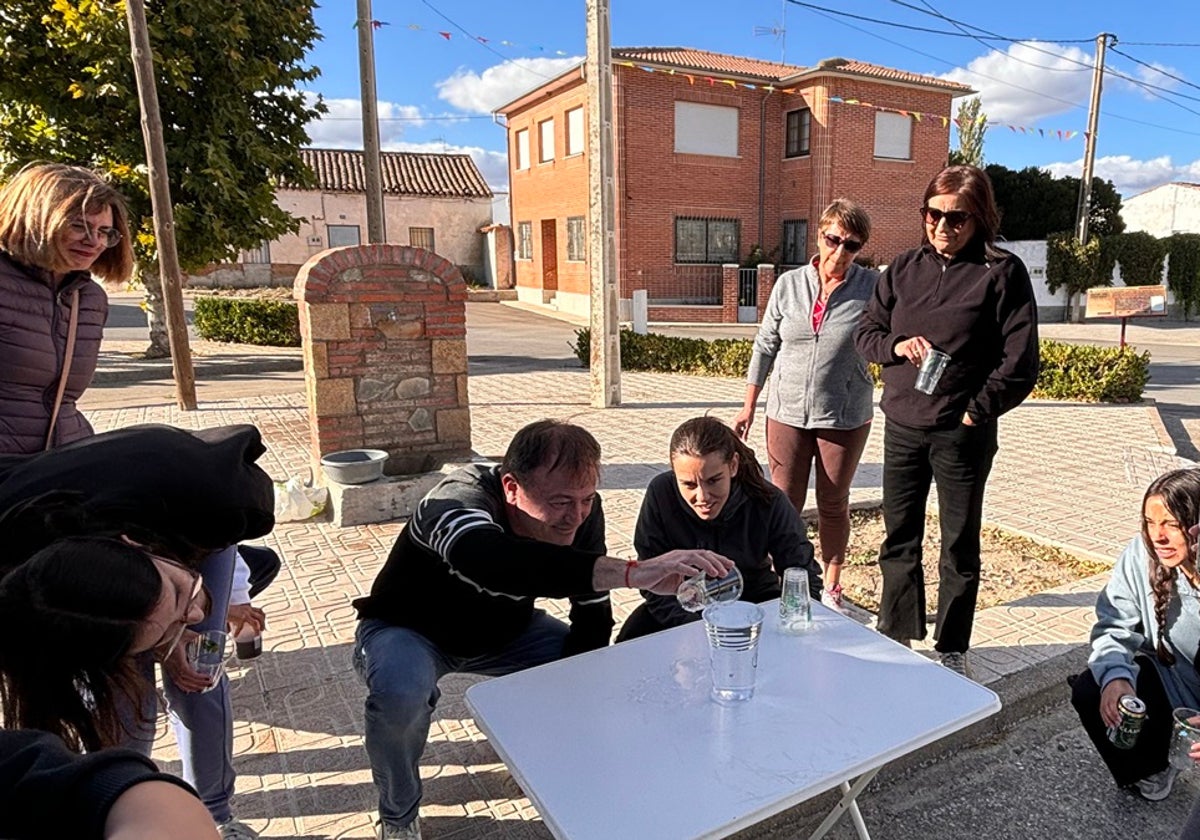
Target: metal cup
[[932, 367]]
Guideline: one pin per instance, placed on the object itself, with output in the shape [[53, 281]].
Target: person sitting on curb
[[457, 593], [715, 496], [1145, 639]]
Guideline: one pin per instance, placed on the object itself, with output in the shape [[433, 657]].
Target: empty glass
[[698, 592], [795, 603], [932, 366], [208, 653], [1184, 736]]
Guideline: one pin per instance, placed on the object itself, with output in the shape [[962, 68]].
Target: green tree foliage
[[1140, 255], [1183, 270], [233, 117], [1073, 267], [1034, 204], [971, 123]]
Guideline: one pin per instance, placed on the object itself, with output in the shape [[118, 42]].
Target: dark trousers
[[959, 460], [1149, 754]]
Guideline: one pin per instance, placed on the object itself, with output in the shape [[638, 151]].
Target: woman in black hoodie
[[715, 497], [960, 294]]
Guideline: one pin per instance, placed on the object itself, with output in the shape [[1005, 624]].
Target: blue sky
[[437, 93]]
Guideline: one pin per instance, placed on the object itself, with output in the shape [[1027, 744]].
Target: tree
[[1073, 267], [1183, 270], [1034, 204], [233, 116], [971, 123]]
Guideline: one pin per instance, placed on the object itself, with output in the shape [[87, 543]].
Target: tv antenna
[[778, 31]]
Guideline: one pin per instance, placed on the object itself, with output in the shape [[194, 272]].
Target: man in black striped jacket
[[457, 593]]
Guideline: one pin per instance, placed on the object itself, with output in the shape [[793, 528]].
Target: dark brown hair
[[553, 445], [38, 206], [68, 618], [702, 436], [974, 187], [1180, 493]]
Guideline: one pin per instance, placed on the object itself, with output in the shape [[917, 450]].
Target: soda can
[[1133, 714]]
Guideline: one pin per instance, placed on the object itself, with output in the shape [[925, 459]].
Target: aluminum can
[[1133, 714]]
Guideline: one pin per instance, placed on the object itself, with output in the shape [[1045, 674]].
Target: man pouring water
[[457, 593]]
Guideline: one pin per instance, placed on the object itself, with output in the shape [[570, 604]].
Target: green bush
[[1091, 374], [1069, 371], [270, 323]]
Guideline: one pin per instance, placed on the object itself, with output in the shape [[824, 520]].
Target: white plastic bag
[[295, 501]]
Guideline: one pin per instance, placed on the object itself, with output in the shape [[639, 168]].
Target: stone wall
[[385, 354]]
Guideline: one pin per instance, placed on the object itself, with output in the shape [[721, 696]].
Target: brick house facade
[[716, 155]]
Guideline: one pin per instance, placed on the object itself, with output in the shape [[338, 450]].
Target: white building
[[1164, 210]]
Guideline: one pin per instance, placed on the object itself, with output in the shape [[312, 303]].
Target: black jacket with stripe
[[460, 577]]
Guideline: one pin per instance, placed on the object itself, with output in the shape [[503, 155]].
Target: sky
[[442, 66]]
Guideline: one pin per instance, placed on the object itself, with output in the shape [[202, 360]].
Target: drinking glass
[[931, 370], [208, 653], [698, 592], [1185, 734], [733, 629]]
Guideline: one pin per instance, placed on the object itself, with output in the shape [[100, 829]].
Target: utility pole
[[1083, 210], [376, 229], [160, 201], [602, 250]]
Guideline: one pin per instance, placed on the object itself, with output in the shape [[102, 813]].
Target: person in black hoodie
[[715, 497], [960, 294]]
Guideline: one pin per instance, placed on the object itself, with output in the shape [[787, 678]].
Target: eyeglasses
[[955, 219], [109, 236], [851, 246], [170, 640]]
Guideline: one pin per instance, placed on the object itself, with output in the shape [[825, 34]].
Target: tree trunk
[[156, 315], [1080, 307], [1067, 307]]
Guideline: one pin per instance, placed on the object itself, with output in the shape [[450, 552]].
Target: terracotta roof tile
[[404, 173], [863, 68]]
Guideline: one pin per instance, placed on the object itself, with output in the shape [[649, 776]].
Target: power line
[[483, 43], [1157, 69], [1155, 44], [892, 23]]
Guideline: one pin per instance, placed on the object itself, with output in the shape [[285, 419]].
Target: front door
[[549, 255]]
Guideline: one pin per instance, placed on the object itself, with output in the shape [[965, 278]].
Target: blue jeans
[[401, 669], [203, 723]]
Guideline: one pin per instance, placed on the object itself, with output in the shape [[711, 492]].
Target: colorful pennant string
[[449, 36]]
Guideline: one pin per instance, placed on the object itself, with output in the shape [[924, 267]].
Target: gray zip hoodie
[[818, 380]]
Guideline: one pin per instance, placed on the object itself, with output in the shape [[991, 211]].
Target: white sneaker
[[236, 830], [412, 831], [832, 598], [1158, 787]]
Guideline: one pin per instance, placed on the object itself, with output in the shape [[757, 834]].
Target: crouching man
[[457, 593]]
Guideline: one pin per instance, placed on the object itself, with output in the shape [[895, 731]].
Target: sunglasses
[[955, 219], [834, 242]]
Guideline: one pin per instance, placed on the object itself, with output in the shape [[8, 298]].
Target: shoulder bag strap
[[66, 370]]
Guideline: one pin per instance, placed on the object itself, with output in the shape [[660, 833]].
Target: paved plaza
[[1066, 474]]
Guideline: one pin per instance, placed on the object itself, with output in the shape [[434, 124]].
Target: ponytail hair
[[702, 436], [1179, 491]]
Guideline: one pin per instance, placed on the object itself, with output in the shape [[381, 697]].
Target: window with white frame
[[421, 237], [706, 240], [546, 141], [706, 129], [799, 132], [524, 240], [576, 239], [893, 136], [795, 241], [576, 141], [259, 255], [340, 235], [523, 148]]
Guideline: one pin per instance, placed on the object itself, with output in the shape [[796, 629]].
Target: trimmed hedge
[[270, 323], [1070, 372]]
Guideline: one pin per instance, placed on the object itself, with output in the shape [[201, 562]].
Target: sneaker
[[956, 662], [236, 830], [832, 598], [1158, 787], [412, 831]]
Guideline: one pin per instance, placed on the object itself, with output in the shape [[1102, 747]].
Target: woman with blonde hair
[[59, 226]]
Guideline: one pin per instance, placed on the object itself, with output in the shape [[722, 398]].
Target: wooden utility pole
[[160, 199], [1083, 209], [602, 249], [372, 173]]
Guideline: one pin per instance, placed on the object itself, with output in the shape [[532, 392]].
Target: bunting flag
[[449, 36]]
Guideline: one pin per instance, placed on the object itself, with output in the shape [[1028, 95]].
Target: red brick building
[[715, 155]]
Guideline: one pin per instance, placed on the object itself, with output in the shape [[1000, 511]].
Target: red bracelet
[[629, 564]]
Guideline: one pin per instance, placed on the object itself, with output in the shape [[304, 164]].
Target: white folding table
[[626, 741]]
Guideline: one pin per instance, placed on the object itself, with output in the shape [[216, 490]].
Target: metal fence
[[680, 285]]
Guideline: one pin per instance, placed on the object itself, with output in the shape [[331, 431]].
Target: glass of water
[[1184, 735], [733, 629], [208, 653], [698, 592]]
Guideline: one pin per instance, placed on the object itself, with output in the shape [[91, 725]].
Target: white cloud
[[341, 128], [1030, 81], [482, 93], [1131, 176]]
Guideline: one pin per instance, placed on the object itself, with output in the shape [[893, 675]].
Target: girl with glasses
[[59, 226], [959, 294], [819, 402]]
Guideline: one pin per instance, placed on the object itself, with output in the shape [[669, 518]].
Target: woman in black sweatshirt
[[960, 294], [715, 497]]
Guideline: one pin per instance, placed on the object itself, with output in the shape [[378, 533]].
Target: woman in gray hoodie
[[819, 403], [1146, 637]]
